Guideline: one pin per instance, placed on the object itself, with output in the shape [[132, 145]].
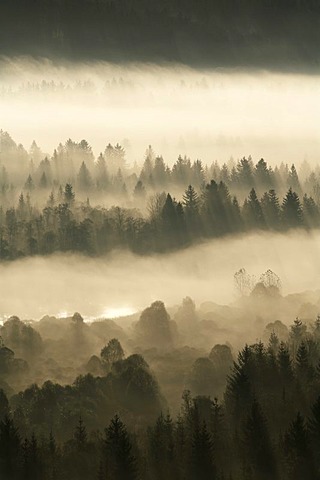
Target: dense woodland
[[72, 201], [226, 32], [103, 406]]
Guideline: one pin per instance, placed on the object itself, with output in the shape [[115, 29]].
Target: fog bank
[[123, 283], [204, 114]]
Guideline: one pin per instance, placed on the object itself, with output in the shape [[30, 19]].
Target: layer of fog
[[123, 283], [204, 114]]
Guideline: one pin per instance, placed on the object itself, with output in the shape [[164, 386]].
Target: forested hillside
[[282, 35]]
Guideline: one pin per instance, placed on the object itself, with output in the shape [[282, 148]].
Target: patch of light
[[62, 314], [3, 319], [118, 312]]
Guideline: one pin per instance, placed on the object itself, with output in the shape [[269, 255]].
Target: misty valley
[[122, 390], [159, 240]]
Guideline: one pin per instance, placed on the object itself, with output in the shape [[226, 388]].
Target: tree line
[[65, 225], [36, 172], [168, 208], [230, 33]]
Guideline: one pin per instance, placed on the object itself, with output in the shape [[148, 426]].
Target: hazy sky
[[205, 114]]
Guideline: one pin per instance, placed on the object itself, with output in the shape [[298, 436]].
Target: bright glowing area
[[206, 114], [63, 314], [118, 312]]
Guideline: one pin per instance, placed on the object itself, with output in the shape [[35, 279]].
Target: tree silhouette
[[291, 209], [122, 464]]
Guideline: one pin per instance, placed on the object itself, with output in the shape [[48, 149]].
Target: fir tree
[[122, 464]]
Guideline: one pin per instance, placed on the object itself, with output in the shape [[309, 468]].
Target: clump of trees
[[269, 283]]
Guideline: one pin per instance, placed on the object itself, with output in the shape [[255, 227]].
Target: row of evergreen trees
[[74, 163], [67, 225]]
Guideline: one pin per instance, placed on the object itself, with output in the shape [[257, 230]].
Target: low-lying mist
[[205, 114], [124, 283]]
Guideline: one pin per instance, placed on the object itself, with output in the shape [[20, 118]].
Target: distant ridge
[[265, 33]]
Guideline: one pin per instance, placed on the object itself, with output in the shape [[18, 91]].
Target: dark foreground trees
[[265, 427]]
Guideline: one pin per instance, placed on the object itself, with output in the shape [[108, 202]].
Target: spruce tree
[[122, 465], [292, 215]]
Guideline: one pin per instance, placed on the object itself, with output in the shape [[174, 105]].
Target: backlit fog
[[123, 283], [211, 115]]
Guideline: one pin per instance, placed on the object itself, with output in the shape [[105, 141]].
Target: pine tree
[[293, 180], [298, 333], [224, 175], [29, 185], [169, 222], [273, 343], [245, 173], [262, 174], [84, 177], [305, 371], [191, 208], [191, 201], [258, 445], [238, 395], [285, 365], [271, 209], [252, 211], [101, 172], [51, 200], [122, 464], [202, 465], [80, 435], [291, 209], [159, 172], [311, 214], [68, 194], [52, 458], [297, 450], [161, 447]]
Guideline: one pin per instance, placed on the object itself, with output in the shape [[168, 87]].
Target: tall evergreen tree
[[258, 447], [298, 453], [292, 215], [121, 463], [84, 177], [252, 211]]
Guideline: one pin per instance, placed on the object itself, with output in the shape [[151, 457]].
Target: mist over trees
[[72, 201]]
